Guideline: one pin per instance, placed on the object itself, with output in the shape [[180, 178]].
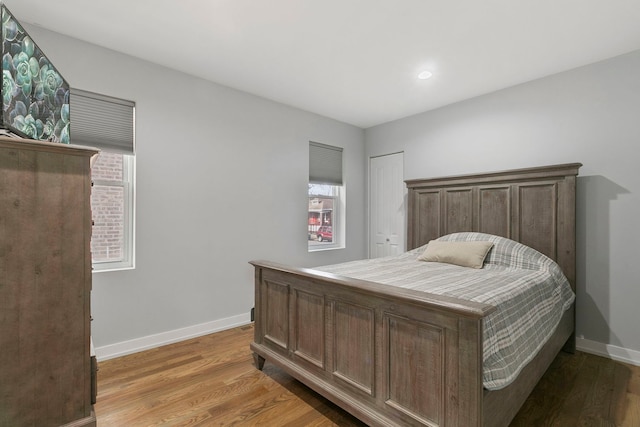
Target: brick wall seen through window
[[108, 208]]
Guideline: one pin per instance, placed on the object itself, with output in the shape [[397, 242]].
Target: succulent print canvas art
[[35, 97]]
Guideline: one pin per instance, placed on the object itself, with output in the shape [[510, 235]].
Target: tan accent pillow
[[465, 254]]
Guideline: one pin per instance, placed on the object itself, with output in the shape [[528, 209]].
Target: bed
[[393, 355]]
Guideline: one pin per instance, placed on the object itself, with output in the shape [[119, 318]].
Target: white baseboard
[[152, 341], [613, 352]]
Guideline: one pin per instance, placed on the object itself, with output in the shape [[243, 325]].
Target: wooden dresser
[[45, 284]]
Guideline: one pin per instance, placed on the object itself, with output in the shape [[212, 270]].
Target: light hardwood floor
[[211, 381]]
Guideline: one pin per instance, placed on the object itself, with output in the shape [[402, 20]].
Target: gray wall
[[221, 179], [589, 115]]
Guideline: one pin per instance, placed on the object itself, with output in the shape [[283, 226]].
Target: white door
[[386, 205]]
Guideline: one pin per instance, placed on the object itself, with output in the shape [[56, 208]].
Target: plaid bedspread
[[528, 289]]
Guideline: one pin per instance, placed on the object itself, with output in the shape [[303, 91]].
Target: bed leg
[[258, 360]]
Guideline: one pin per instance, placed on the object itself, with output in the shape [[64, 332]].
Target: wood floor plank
[[574, 402], [617, 401], [545, 404], [631, 415], [597, 403], [211, 381]]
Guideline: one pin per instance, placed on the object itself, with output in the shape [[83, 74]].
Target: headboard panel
[[534, 206]]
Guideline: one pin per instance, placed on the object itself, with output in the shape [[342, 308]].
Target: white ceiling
[[353, 60]]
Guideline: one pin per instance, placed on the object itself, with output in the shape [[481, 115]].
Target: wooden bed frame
[[392, 356]]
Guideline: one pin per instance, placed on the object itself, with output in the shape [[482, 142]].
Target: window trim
[[338, 229], [129, 185]]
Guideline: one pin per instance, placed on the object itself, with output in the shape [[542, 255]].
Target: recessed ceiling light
[[424, 75]]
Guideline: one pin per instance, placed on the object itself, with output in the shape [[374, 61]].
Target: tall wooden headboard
[[534, 206]]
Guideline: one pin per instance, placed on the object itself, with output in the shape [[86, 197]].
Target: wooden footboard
[[389, 356]]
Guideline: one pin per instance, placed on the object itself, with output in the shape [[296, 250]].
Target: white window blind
[[325, 164], [102, 121]]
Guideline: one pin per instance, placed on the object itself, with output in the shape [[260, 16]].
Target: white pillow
[[466, 254]]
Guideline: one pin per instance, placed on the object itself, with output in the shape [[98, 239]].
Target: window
[[326, 197], [112, 211], [107, 123], [324, 204]]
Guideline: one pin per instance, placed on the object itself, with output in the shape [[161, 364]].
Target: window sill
[[114, 268], [323, 248]]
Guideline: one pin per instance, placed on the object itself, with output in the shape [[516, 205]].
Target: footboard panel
[[390, 356]]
